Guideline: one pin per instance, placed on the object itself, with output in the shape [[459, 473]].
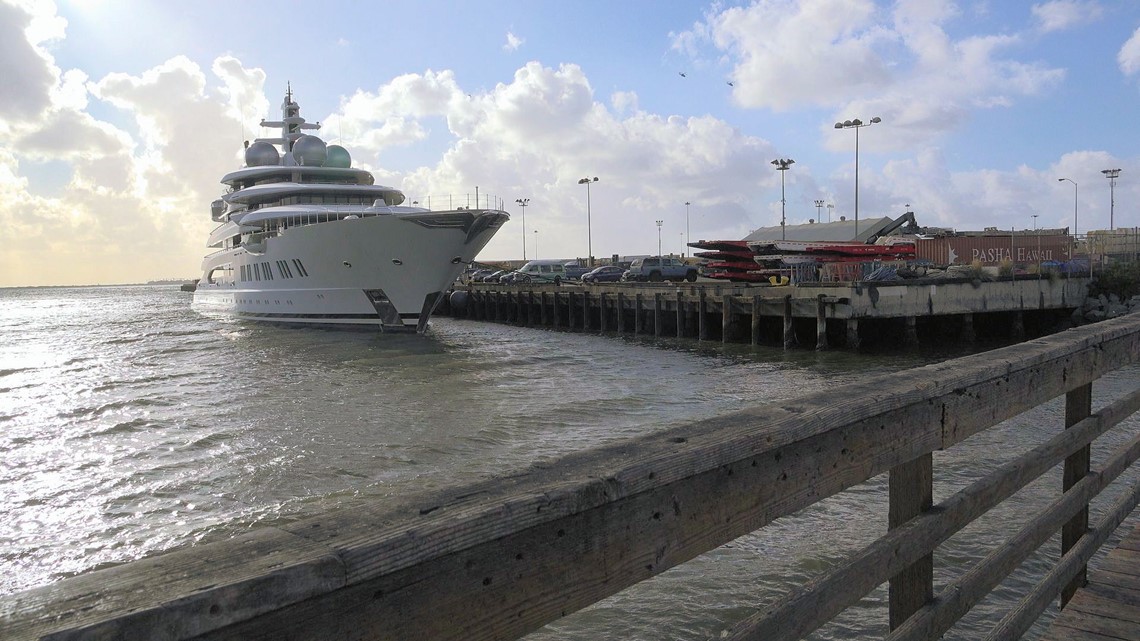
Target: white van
[[552, 271]]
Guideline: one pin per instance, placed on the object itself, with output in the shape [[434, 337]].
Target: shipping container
[[992, 251]]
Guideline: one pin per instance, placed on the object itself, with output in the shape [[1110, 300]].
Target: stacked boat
[[763, 260]]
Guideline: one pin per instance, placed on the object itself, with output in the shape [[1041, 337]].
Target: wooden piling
[[789, 326], [637, 314], [756, 319], [657, 314], [680, 316], [725, 317], [853, 333], [910, 335], [968, 335], [820, 323]]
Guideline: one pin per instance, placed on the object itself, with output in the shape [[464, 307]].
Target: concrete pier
[[904, 313]]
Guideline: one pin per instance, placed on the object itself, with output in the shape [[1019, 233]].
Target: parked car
[[604, 274], [658, 269], [479, 275], [494, 277], [551, 271], [574, 271], [513, 277]]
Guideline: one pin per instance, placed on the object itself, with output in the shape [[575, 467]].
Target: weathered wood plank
[[209, 586], [1091, 604], [1127, 596], [1065, 633]]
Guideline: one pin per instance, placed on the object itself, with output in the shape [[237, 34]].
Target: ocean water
[[131, 424]]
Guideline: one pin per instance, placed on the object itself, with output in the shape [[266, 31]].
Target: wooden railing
[[497, 559]]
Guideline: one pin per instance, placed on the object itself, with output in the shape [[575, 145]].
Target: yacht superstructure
[[305, 238]]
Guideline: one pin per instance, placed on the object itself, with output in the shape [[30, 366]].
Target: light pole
[[523, 202], [857, 125], [782, 165], [829, 208], [818, 209], [536, 244], [687, 239], [1111, 175], [1034, 222], [1073, 251], [659, 242], [589, 240]]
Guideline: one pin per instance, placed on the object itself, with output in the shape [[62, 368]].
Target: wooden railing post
[[911, 488], [1078, 405]]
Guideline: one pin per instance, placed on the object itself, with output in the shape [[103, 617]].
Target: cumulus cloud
[[130, 204], [26, 70], [148, 177], [1058, 15], [536, 135], [859, 58], [789, 54], [1129, 55]]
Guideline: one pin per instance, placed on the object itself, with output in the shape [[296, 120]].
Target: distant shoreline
[[149, 283]]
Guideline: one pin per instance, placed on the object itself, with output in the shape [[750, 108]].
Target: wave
[[126, 427], [99, 410], [161, 378]]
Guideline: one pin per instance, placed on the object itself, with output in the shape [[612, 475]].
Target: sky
[[119, 117]]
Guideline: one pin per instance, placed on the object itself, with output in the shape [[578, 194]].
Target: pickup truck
[[658, 269]]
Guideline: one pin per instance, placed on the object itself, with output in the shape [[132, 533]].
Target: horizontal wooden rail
[[960, 595], [806, 609], [1021, 617], [499, 558]]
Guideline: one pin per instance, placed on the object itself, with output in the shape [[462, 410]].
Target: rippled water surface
[[130, 424]]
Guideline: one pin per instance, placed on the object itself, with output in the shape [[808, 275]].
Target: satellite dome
[[309, 151], [261, 154], [338, 157]]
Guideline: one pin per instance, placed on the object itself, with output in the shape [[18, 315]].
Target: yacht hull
[[385, 272]]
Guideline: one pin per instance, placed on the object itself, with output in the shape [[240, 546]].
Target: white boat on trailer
[[306, 239]]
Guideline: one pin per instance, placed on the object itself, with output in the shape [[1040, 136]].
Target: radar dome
[[260, 154], [338, 157], [309, 151]]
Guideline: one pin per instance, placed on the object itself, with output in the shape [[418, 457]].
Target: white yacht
[[305, 238]]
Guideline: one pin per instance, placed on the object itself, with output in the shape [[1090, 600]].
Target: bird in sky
[[730, 84], [682, 74]]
